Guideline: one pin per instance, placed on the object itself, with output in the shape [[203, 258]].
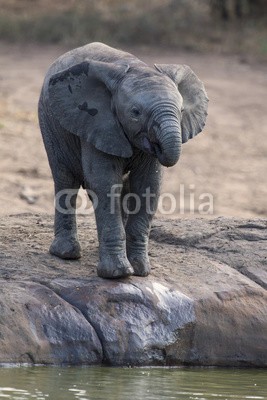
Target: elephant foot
[[114, 266], [65, 247], [141, 265], [138, 257]]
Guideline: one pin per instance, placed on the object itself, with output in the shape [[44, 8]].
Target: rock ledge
[[204, 303]]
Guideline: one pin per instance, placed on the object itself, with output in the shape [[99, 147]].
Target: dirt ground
[[226, 166]]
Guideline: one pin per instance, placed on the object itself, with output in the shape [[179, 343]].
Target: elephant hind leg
[[64, 155], [65, 244], [65, 247]]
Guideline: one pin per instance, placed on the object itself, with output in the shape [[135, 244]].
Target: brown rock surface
[[204, 303], [37, 326]]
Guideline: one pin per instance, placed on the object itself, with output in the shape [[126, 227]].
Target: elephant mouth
[[152, 148]]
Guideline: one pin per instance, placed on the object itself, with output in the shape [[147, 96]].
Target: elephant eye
[[135, 112]]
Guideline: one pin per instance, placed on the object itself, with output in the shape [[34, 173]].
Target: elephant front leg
[[142, 205], [106, 185], [113, 261]]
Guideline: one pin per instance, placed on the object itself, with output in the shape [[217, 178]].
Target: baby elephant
[[109, 122]]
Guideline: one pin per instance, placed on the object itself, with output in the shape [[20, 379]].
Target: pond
[[95, 383]]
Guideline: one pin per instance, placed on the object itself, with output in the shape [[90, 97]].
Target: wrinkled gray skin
[[107, 118]]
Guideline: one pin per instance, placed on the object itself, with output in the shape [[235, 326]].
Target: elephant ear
[[195, 99], [80, 98]]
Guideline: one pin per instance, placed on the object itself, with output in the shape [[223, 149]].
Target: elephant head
[[116, 107]]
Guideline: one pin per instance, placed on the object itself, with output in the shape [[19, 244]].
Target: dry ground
[[228, 160]]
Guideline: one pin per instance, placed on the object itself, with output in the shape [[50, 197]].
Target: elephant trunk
[[166, 138]]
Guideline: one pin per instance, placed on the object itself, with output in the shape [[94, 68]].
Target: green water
[[42, 383]]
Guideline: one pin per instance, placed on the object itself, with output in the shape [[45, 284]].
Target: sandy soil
[[228, 160]]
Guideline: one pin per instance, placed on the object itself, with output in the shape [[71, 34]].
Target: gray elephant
[[109, 122]]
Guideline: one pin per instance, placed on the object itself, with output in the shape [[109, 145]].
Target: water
[[70, 383]]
